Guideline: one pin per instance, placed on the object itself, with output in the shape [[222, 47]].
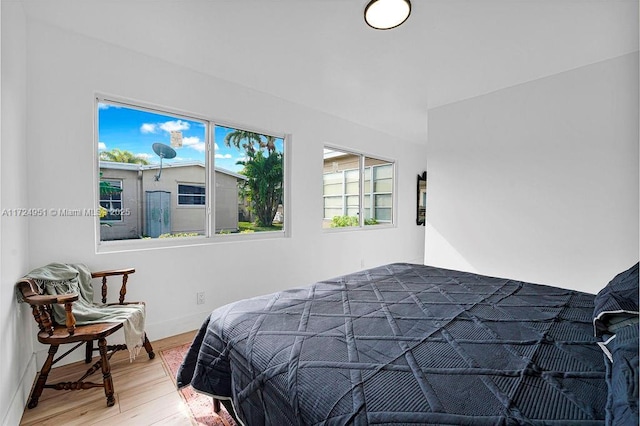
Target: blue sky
[[136, 131]]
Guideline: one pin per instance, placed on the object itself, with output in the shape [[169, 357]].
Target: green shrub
[[179, 234], [343, 221]]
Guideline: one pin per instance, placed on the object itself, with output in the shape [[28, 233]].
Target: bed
[[414, 344]]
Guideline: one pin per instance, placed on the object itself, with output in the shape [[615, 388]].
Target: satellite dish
[[163, 151]]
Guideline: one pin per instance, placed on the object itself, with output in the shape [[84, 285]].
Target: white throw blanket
[[60, 278]]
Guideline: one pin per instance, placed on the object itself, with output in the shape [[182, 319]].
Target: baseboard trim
[[164, 329], [18, 402]]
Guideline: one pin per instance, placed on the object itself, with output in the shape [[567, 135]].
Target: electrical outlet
[[200, 298]]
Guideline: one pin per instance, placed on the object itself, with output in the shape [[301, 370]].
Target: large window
[[354, 183], [182, 176]]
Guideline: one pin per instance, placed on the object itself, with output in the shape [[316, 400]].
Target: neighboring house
[[341, 186], [173, 204]]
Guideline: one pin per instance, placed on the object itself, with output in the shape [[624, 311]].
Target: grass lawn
[[244, 226]]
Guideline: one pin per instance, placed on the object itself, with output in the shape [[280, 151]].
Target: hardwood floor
[[145, 394]]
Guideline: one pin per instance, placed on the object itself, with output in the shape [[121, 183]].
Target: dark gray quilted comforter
[[404, 344]]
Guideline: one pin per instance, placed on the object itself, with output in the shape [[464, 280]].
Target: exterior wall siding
[[184, 218]]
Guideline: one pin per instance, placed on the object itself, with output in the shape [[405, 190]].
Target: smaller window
[[111, 200], [355, 183], [191, 195]]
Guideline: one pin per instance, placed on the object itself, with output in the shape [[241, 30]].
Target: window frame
[[210, 237], [110, 201], [362, 167], [373, 193], [191, 205]]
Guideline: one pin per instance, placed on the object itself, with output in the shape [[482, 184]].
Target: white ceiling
[[321, 54]]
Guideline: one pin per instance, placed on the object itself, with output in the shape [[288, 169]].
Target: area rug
[[200, 406]]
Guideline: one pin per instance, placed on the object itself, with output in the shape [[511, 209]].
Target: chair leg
[[42, 378], [216, 405], [106, 372], [148, 348], [89, 352]]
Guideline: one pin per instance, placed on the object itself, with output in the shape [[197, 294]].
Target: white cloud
[[174, 125], [102, 105], [167, 126], [221, 156], [102, 145], [194, 142], [145, 155], [190, 140], [148, 128]]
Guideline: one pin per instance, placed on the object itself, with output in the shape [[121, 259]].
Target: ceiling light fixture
[[386, 14]]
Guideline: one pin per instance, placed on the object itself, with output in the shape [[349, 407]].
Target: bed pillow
[[615, 320], [617, 302]]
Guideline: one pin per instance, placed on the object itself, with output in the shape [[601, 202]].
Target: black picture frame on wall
[[421, 199]]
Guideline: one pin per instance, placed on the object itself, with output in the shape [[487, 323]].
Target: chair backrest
[[42, 305]]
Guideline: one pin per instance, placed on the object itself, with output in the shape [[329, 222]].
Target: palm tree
[[119, 156], [264, 184], [270, 144], [264, 173], [236, 138]]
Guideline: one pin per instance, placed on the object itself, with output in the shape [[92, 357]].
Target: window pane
[[333, 202], [111, 200], [249, 181], [352, 182], [191, 189], [332, 207], [383, 172], [367, 180], [148, 152], [367, 207], [353, 205], [341, 178], [335, 189], [333, 183], [191, 195], [383, 214], [383, 200], [385, 185], [383, 178], [332, 178], [331, 213], [191, 200], [382, 191], [111, 211]]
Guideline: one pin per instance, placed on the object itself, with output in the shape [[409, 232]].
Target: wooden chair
[[54, 335]]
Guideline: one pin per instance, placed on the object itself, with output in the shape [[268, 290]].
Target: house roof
[[140, 167]]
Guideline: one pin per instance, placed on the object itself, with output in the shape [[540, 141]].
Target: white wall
[[539, 181], [54, 163], [16, 360]]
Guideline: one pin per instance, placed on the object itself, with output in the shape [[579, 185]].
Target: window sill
[[177, 242], [359, 228]]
